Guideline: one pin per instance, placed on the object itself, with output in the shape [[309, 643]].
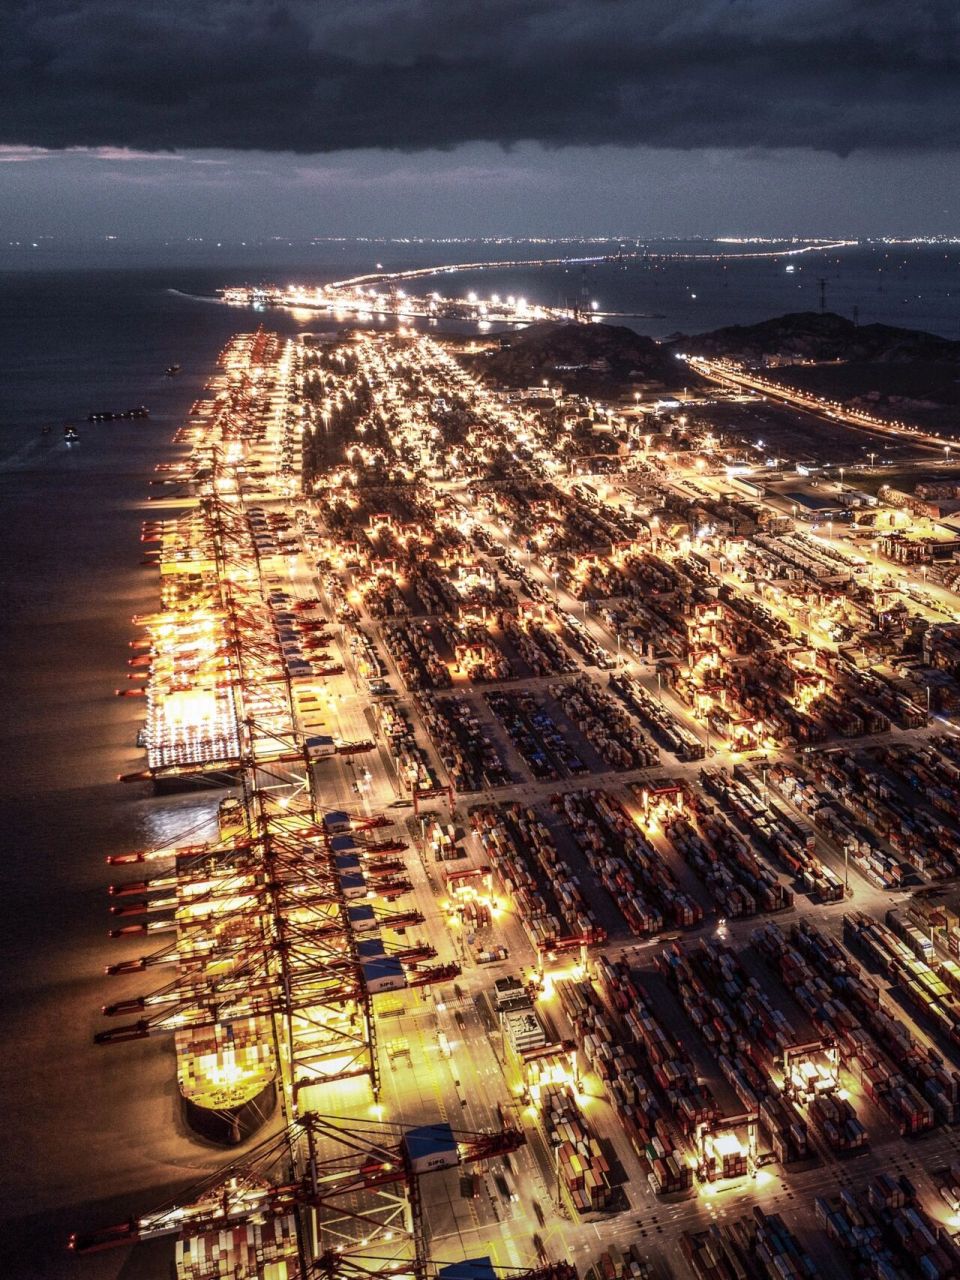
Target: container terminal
[[582, 896]]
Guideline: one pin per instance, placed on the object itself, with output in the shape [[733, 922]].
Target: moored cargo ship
[[226, 1076]]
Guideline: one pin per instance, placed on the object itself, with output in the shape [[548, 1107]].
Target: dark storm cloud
[[332, 75]]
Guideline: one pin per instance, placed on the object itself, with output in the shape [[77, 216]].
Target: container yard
[[578, 826], [582, 1169], [761, 1244]]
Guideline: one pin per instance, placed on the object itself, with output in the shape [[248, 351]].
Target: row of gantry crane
[[286, 926]]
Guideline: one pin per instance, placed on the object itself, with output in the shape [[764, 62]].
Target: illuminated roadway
[[725, 374], [416, 273], [346, 296]]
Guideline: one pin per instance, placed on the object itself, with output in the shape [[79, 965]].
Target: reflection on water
[[178, 820]]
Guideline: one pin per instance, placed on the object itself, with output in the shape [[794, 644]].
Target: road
[[725, 374]]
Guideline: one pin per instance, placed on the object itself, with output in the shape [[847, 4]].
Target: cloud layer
[[330, 75]]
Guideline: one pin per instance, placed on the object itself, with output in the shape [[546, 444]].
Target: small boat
[[70, 434], [45, 431], [172, 370]]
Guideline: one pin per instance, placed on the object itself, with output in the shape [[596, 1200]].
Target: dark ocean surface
[[92, 1134]]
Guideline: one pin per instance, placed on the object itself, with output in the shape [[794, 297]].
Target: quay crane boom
[[363, 1156]]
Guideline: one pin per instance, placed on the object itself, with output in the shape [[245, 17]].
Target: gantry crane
[[266, 927], [250, 653], [359, 1190], [274, 919], [340, 1266], [272, 928]]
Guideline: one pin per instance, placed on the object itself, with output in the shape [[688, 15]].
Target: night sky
[[340, 117]]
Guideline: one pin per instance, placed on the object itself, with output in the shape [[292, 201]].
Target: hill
[[900, 374], [579, 355], [809, 335]]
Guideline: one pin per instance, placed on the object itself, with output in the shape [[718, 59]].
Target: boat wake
[[196, 297], [25, 456]]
